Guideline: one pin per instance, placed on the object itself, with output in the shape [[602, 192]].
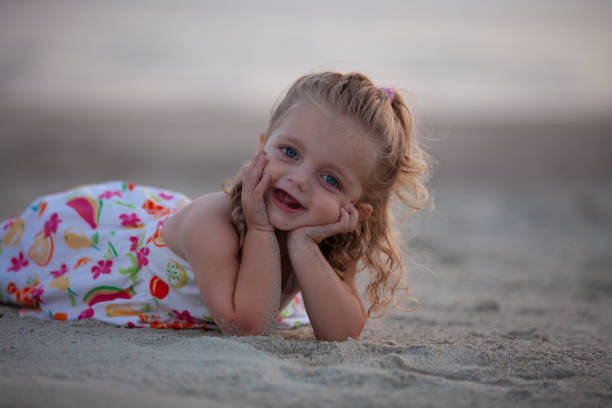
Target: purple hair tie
[[389, 92]]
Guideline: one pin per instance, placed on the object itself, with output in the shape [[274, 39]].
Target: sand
[[513, 272]]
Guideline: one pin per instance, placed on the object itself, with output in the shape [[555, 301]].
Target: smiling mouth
[[286, 200]]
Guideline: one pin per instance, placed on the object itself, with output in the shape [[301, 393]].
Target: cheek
[[273, 160], [271, 152], [327, 210], [273, 168]]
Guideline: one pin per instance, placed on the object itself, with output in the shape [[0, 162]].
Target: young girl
[[308, 212]]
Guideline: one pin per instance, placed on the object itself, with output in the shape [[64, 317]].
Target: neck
[[286, 268], [281, 236]]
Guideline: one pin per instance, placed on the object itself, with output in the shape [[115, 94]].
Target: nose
[[300, 179]]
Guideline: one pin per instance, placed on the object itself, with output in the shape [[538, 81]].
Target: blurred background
[[513, 101]]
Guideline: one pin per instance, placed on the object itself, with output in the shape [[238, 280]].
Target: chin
[[280, 220], [282, 226]]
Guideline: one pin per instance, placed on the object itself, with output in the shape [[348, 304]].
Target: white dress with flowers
[[96, 252]]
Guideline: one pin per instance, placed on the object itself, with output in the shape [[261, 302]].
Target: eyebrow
[[292, 140]]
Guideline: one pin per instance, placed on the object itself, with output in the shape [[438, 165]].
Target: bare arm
[[334, 307], [243, 297], [258, 284]]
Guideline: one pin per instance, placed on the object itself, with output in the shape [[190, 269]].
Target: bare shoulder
[[203, 223]]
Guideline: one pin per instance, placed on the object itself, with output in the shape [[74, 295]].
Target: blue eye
[[331, 180], [289, 152]]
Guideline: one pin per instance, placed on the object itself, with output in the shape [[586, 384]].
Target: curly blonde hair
[[400, 171]]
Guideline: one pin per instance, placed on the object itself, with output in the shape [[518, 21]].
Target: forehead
[[334, 139]]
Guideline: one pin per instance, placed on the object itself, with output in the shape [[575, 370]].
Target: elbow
[[244, 326], [338, 336], [341, 334]]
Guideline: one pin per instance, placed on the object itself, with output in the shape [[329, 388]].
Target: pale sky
[[458, 58]]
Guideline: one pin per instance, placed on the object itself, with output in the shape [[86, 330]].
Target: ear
[[364, 211], [262, 139]]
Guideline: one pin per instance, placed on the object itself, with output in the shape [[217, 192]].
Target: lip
[[282, 205]]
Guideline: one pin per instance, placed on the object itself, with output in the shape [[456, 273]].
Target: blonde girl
[[307, 214]]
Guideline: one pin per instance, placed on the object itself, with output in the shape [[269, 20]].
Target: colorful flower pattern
[[17, 263], [100, 255], [60, 272], [129, 220], [101, 267]]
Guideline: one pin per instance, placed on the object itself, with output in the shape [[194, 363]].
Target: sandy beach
[[512, 270]]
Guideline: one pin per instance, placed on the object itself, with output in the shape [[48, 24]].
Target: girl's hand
[[254, 185], [347, 222]]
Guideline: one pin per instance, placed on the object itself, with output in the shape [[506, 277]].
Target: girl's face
[[316, 164]]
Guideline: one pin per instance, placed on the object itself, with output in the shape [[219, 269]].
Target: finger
[[246, 178], [258, 172], [262, 160], [253, 162], [258, 193], [251, 175], [353, 217], [258, 165], [319, 233], [261, 187], [262, 212], [345, 220], [336, 227], [345, 224]]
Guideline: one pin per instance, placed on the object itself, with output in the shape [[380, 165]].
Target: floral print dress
[[96, 252]]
